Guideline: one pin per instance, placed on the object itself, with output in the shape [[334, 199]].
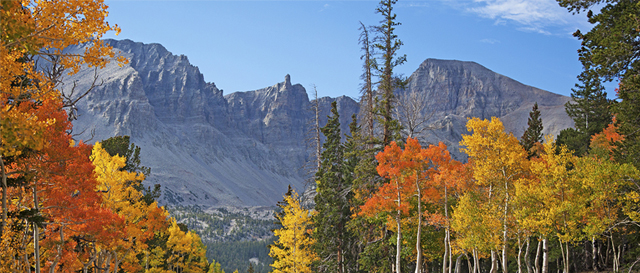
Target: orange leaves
[[409, 170], [602, 143]]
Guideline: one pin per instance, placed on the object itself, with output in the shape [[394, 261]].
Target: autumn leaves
[[67, 206], [497, 207]]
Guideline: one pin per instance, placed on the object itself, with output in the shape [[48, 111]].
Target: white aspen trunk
[[419, 232], [4, 196], [594, 254], [476, 261], [444, 256], [398, 243], [458, 262], [449, 246], [399, 237], [447, 249], [519, 254], [505, 228], [564, 250], [36, 232], [494, 263], [56, 260], [469, 265], [536, 262], [545, 256], [616, 256], [527, 260]]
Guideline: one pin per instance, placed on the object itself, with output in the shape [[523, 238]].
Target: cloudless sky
[[248, 45]]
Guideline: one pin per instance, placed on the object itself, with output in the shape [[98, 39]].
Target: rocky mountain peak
[[245, 148]]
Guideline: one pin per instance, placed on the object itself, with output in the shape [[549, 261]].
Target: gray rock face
[[203, 148], [245, 148], [456, 91]]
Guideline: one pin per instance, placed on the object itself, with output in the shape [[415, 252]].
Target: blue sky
[[247, 45]]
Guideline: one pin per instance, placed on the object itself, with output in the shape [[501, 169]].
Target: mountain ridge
[[245, 148]]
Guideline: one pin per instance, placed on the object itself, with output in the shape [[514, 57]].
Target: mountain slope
[[457, 90], [245, 148]]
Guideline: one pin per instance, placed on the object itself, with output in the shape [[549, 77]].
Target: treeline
[[221, 225], [68, 206], [387, 203], [240, 255], [234, 239]]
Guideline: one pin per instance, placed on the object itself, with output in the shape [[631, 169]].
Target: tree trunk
[[419, 232], [4, 197], [505, 228], [476, 261], [536, 262], [398, 243], [519, 254], [545, 256], [469, 265], [527, 259], [56, 260], [494, 262]]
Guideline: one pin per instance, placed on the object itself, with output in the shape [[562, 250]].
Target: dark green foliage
[[610, 51], [120, 145], [388, 44], [235, 255], [574, 141], [231, 247], [628, 122], [589, 111], [333, 202], [533, 133]]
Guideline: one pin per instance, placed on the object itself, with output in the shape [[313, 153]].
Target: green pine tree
[[628, 119], [590, 112], [533, 134], [332, 200], [388, 45]]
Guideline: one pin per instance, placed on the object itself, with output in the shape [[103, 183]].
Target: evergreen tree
[[589, 110], [388, 44], [367, 99], [628, 120], [533, 134], [332, 200]]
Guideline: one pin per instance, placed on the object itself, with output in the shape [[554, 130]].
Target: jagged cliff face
[[456, 91], [203, 148], [245, 148]]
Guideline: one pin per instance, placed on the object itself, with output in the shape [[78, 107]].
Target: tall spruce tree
[[332, 200], [367, 98], [533, 134], [589, 110], [388, 44], [610, 51]]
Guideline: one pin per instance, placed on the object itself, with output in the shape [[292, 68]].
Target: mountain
[[455, 91], [245, 148], [242, 149]]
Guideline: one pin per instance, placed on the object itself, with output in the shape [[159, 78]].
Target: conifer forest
[[383, 199]]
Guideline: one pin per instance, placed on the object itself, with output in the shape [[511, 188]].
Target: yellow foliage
[[187, 253], [33, 29], [484, 219], [292, 251]]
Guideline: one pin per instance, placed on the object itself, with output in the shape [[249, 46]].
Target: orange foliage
[[602, 143]]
